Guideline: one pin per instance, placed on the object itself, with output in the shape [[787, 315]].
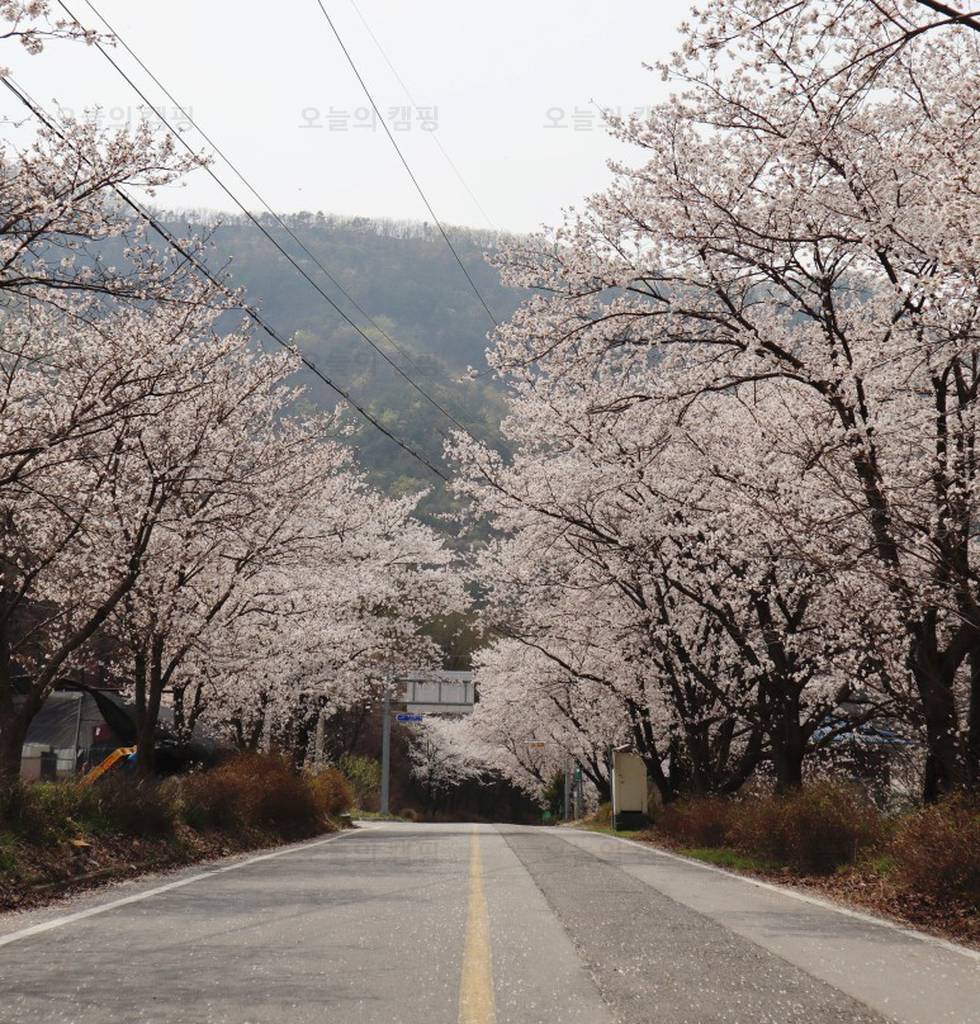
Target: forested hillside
[[404, 276]]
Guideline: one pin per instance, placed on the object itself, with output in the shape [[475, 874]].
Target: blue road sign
[[406, 717]]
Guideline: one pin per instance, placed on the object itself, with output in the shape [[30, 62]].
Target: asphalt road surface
[[455, 924]]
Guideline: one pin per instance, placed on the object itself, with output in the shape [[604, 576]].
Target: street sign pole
[[385, 748]]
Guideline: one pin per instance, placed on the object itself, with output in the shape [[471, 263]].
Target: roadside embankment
[[920, 867], [60, 837]]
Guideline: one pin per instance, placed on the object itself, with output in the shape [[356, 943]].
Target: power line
[[405, 354], [285, 227], [405, 164], [434, 135], [261, 227], [202, 269]]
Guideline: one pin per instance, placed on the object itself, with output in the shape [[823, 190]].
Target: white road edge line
[[58, 922], [782, 890]]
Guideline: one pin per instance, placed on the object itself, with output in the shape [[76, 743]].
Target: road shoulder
[[904, 975], [112, 893]]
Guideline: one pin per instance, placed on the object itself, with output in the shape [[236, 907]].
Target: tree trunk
[[139, 696], [945, 767], [646, 745], [746, 765], [181, 730], [598, 774], [359, 720], [11, 738], [973, 726], [678, 771], [698, 757], [13, 732], [149, 692], [305, 729], [788, 746], [15, 721], [197, 706], [253, 735]]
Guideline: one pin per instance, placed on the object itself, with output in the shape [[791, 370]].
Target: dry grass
[[936, 851], [332, 793], [257, 790], [55, 837], [699, 822], [813, 831], [920, 868]]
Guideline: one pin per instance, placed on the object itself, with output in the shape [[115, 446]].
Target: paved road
[[428, 924]]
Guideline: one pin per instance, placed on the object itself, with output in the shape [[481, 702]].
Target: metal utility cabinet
[[629, 790]]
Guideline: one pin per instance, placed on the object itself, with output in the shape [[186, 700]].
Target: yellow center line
[[476, 983]]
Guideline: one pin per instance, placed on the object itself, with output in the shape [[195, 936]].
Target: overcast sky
[[515, 85]]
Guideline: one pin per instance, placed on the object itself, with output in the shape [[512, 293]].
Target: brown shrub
[[936, 850], [699, 821], [259, 790], [332, 792], [133, 807], [274, 796], [213, 799], [409, 814], [814, 830]]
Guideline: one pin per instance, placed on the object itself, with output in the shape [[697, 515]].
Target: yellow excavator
[[119, 754]]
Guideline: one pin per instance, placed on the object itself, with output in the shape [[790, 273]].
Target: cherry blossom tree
[[31, 24], [249, 484], [158, 491], [444, 753], [94, 355], [93, 460], [627, 574], [534, 716], [785, 287], [319, 631]]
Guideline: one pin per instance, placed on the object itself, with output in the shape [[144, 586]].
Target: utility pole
[[385, 748]]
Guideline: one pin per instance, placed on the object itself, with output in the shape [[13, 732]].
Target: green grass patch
[[8, 853], [606, 830], [723, 857], [881, 865]]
